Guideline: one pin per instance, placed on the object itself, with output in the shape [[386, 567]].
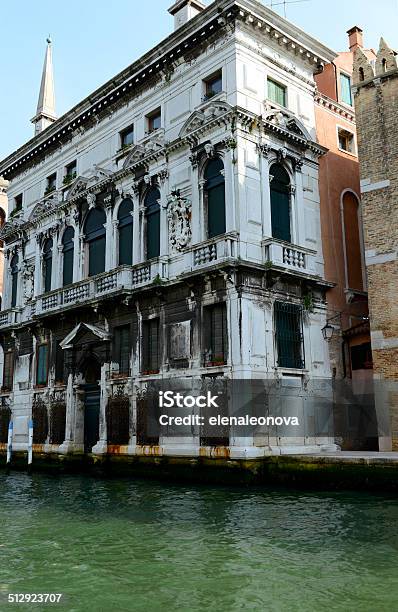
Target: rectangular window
[[51, 183], [289, 335], [346, 141], [213, 85], [70, 172], [8, 371], [127, 137], [42, 365], [345, 89], [18, 201], [150, 346], [276, 92], [216, 337], [154, 120], [123, 348]]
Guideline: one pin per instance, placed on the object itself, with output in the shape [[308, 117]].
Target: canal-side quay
[[325, 471]]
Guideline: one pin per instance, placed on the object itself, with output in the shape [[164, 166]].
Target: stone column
[[102, 445], [197, 201], [37, 281], [77, 251], [298, 198], [230, 191], [137, 236], [115, 245], [164, 232], [265, 190]]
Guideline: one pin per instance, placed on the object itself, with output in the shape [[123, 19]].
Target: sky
[[93, 40]]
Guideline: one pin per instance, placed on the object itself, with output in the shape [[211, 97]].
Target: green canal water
[[137, 545]]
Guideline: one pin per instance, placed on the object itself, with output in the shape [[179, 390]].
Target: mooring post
[[9, 443], [30, 443]]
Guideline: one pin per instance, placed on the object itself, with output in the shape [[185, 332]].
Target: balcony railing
[[126, 277], [289, 256], [215, 250]]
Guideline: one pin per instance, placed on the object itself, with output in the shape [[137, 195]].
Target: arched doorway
[[92, 376]]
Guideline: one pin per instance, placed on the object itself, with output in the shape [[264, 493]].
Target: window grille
[[150, 346], [289, 335], [216, 339]]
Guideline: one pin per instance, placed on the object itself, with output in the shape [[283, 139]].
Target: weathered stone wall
[[376, 97]]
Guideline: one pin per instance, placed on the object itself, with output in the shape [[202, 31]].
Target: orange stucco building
[[341, 223]]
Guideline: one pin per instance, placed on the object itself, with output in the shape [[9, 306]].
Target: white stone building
[[168, 227]]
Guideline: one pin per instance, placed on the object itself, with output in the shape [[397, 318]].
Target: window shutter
[[126, 245], [216, 210], [96, 256]]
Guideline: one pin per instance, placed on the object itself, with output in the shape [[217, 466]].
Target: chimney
[[184, 10], [355, 38]]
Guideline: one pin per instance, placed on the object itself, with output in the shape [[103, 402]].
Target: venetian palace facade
[[167, 227]]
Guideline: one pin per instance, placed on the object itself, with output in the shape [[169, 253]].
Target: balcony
[[213, 251], [280, 254], [124, 278]]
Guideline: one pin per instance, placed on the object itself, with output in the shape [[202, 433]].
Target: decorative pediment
[[11, 227], [79, 185], [200, 117], [81, 330], [288, 122], [135, 155], [44, 206]]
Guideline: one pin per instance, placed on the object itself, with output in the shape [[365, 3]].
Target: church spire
[[45, 113]]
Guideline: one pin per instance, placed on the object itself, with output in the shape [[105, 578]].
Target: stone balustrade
[[289, 256]]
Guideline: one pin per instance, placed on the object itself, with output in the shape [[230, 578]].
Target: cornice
[[334, 107], [198, 33]]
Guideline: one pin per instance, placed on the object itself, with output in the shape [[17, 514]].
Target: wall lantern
[[327, 332]]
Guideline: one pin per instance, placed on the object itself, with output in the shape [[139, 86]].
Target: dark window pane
[[289, 337], [14, 280], [215, 192], [67, 272], [8, 370], [42, 364], [150, 345], [96, 256], [280, 203], [127, 137], [123, 348], [95, 237], [152, 212], [216, 339], [125, 219]]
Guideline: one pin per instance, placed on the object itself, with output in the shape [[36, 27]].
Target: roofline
[[211, 17]]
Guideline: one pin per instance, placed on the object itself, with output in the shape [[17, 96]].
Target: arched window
[[215, 197], [280, 203], [384, 64], [14, 280], [352, 242], [361, 74], [125, 227], [94, 230], [67, 251], [47, 264], [152, 214]]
